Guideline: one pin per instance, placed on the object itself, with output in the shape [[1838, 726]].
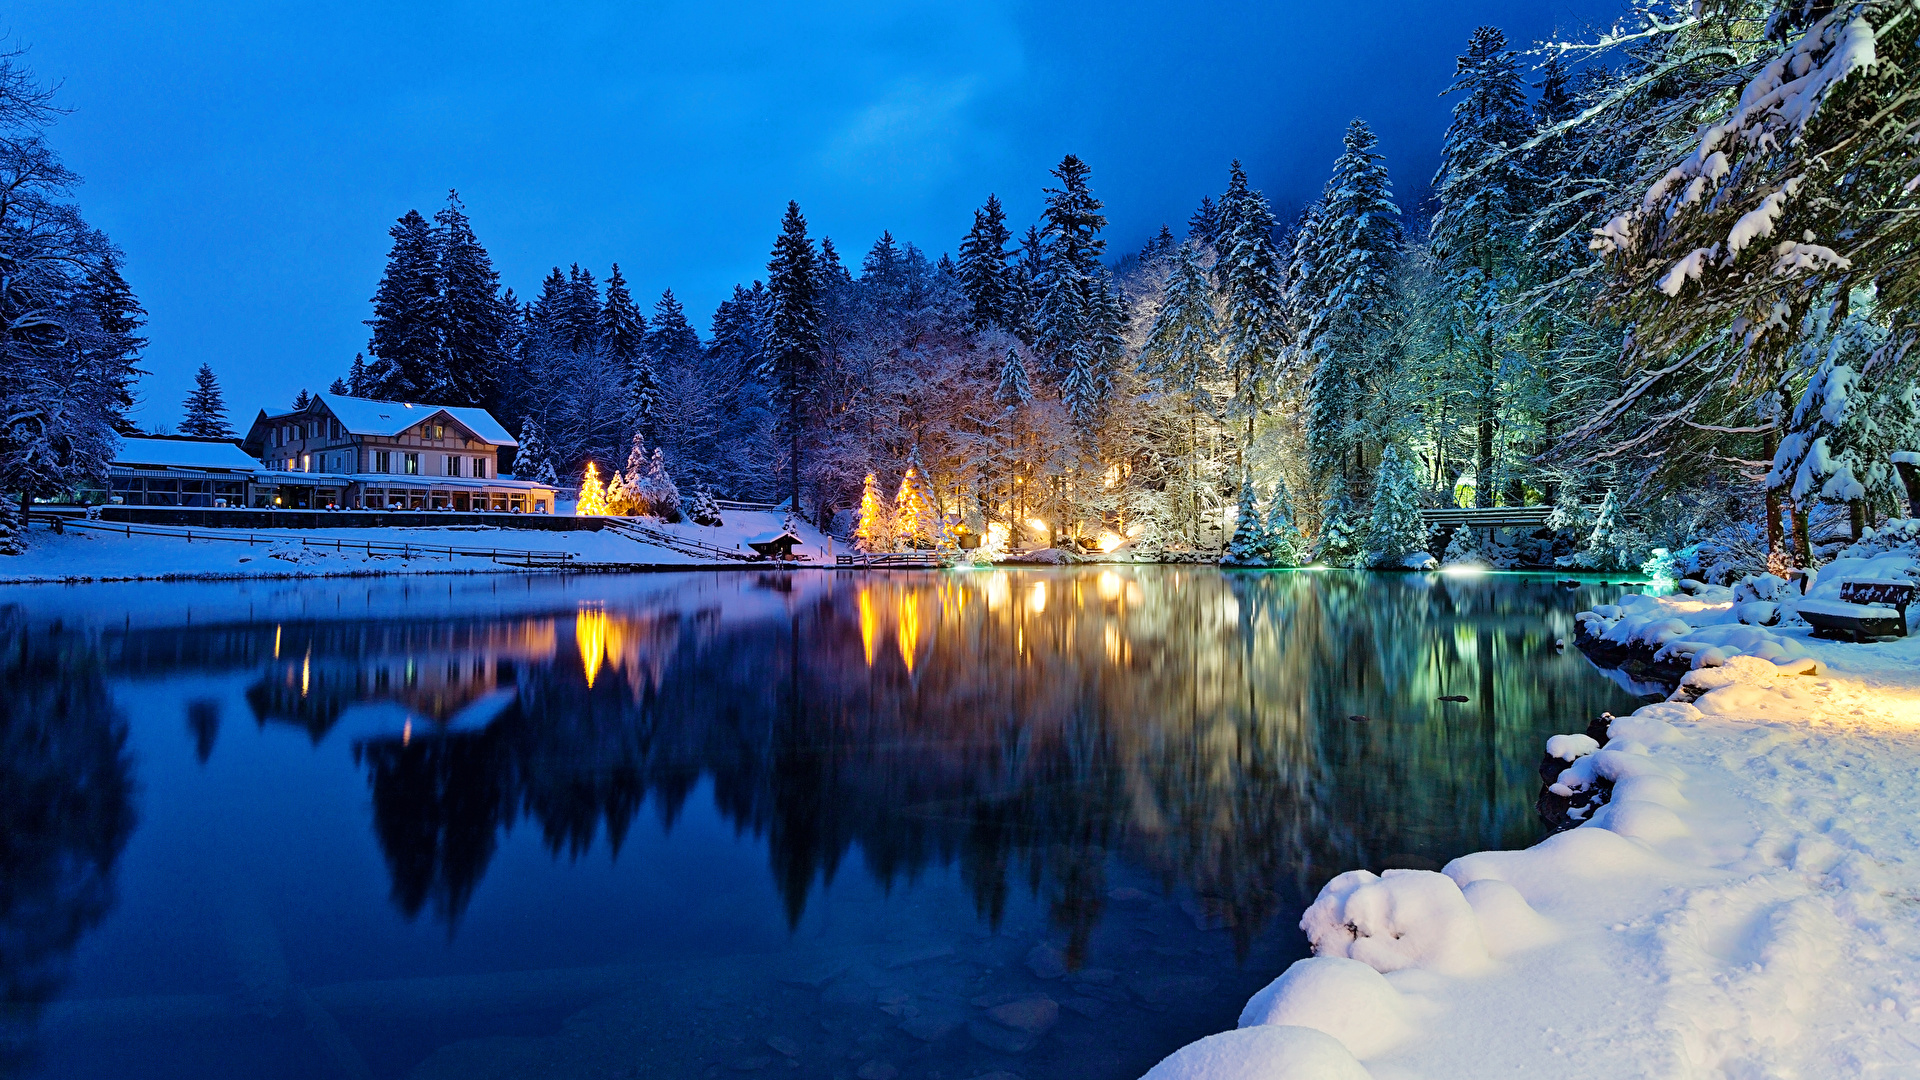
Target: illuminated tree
[[619, 497], [916, 521], [593, 497], [875, 529]]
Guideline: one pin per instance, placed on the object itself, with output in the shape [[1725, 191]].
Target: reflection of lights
[[276, 643], [590, 633], [1110, 585], [908, 633], [1037, 598], [1110, 540], [1115, 647], [1463, 570], [999, 592], [869, 624], [406, 732], [306, 672]]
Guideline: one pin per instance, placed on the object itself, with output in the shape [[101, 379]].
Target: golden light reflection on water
[[869, 624], [908, 632], [590, 633]]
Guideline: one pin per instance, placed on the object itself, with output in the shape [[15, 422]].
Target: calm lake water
[[805, 824]]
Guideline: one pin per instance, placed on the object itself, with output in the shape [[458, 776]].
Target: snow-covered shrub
[[1249, 544], [704, 509], [1286, 545], [656, 494], [1341, 542], [1396, 529]]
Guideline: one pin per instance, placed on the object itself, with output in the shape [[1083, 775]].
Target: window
[[480, 468], [382, 461], [453, 465], [436, 431], [306, 462], [413, 464]]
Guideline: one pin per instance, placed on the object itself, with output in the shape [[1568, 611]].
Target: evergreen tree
[[406, 321], [1476, 229], [1254, 283], [576, 323], [623, 340], [793, 330], [873, 529], [301, 400], [1286, 545], [657, 492], [1203, 228], [120, 318], [619, 498], [472, 317], [1396, 529], [1079, 319], [593, 495], [533, 460], [338, 388], [1249, 544], [1356, 234], [357, 385], [1341, 542], [917, 520], [636, 461], [206, 408], [670, 336], [1181, 355], [985, 275], [1013, 390]]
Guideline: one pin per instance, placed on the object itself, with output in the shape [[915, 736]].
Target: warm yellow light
[[908, 632], [1037, 598], [276, 643], [1110, 540], [590, 633], [406, 732], [306, 672], [996, 540], [1039, 526], [1110, 585], [869, 624], [1112, 477]]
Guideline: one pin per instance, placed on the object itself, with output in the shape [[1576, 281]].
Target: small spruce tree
[[656, 492], [916, 522], [533, 461], [619, 497], [593, 496], [1248, 547], [1286, 546], [1396, 529], [1341, 542]]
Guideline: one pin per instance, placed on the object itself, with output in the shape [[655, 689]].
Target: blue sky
[[249, 158]]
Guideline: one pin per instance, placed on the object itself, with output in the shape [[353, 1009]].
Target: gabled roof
[[183, 453], [365, 416]]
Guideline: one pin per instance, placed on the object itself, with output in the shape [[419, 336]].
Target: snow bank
[[1738, 906]]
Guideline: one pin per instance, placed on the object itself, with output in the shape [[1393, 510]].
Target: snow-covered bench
[[1868, 608]]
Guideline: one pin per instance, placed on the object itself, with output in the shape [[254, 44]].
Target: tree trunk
[[1801, 546], [1777, 557], [1857, 518], [26, 511], [1483, 461]]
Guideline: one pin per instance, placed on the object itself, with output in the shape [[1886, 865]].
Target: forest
[[1661, 283]]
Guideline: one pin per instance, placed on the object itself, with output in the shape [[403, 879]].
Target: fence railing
[[1492, 517], [684, 545], [404, 549], [907, 560]]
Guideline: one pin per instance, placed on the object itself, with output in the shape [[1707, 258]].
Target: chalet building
[[355, 454], [167, 470]]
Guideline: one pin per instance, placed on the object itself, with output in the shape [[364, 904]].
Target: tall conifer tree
[[793, 330]]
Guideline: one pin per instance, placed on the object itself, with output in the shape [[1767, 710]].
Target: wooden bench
[[1868, 609]]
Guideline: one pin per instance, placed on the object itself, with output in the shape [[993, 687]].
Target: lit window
[[413, 464], [306, 462]]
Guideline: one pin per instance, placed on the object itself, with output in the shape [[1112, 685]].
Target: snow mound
[[1265, 1052], [1344, 998], [1402, 919]]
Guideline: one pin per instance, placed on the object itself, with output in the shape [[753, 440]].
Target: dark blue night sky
[[250, 160]]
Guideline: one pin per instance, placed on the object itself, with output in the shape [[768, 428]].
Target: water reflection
[[65, 815], [1025, 726]]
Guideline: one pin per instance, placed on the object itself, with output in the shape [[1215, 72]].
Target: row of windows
[[284, 434], [386, 461]]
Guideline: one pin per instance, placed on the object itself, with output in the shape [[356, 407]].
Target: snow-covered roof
[[365, 416], [183, 453]]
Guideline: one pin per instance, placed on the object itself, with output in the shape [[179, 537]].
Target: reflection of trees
[[1025, 726], [65, 814]]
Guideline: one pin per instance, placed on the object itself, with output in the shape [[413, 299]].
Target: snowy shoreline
[[1742, 904]]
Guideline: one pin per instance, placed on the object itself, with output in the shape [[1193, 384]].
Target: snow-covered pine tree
[[636, 461], [1396, 529], [873, 529], [1253, 281], [985, 275], [1181, 359], [1286, 544], [916, 520], [1249, 544], [301, 400], [534, 460], [1356, 231], [1342, 542], [670, 337], [472, 318], [13, 538], [623, 340], [1603, 544], [1076, 328], [1013, 390], [793, 332], [657, 492], [406, 321], [704, 509], [1477, 229], [338, 388], [205, 408], [1203, 228], [619, 498], [593, 495]]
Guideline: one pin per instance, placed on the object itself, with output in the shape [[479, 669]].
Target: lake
[[927, 825]]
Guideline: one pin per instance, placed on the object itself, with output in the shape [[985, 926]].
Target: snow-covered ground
[[89, 554], [1746, 906]]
